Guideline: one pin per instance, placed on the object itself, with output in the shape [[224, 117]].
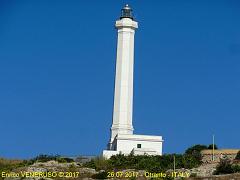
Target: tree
[[195, 148], [195, 151], [211, 146]]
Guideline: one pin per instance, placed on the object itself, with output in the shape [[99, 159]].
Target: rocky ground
[[55, 170]]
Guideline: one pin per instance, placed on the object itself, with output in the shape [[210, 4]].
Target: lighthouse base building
[[122, 139], [136, 144]]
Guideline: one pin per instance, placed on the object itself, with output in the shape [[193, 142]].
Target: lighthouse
[[123, 95], [122, 140]]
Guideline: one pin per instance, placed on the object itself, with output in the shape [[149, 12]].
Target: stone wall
[[218, 155]]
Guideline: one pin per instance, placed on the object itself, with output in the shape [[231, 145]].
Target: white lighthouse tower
[[123, 97], [122, 139]]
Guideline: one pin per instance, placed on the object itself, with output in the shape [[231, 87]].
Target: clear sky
[[57, 61]]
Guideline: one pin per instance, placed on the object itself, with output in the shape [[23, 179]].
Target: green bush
[[101, 175], [46, 158], [236, 168], [224, 167], [143, 162], [64, 160], [90, 164], [195, 151], [102, 164], [190, 159], [238, 156]]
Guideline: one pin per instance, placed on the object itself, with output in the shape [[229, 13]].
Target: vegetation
[[101, 175], [7, 165], [195, 151], [143, 162], [211, 146], [99, 163], [236, 168], [226, 167], [46, 158], [190, 159], [238, 156], [196, 148]]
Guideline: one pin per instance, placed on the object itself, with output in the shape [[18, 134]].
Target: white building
[[122, 138]]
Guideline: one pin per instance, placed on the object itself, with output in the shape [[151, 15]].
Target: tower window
[[139, 145]]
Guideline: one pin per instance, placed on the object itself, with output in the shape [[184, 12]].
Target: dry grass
[[7, 165], [4, 161]]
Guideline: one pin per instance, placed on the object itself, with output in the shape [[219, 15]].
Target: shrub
[[64, 160], [46, 158], [236, 168], [102, 163], [224, 167], [143, 162], [27, 162], [7, 165], [238, 156], [195, 151], [72, 168], [90, 164], [191, 159], [101, 175]]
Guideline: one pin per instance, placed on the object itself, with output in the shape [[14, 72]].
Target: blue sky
[[57, 61]]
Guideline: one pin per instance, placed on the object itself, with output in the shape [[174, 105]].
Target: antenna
[[213, 147]]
